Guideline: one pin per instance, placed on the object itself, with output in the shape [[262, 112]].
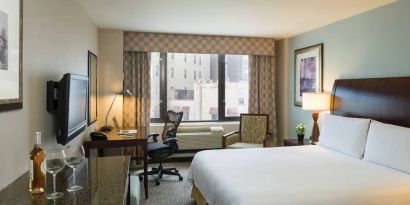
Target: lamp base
[[315, 130], [106, 128]]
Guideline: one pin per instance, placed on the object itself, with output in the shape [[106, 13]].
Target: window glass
[[196, 97], [155, 85], [236, 85]]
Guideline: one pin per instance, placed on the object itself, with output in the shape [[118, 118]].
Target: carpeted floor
[[170, 191]]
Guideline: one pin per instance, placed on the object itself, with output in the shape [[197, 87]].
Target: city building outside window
[[216, 92]]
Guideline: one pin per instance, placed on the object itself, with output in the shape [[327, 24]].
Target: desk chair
[[159, 151]]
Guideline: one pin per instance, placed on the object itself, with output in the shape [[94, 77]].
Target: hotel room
[[204, 102]]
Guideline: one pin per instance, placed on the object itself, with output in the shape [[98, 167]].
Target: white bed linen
[[295, 175]]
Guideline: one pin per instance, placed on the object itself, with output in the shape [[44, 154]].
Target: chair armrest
[[230, 138], [173, 139], [154, 136]]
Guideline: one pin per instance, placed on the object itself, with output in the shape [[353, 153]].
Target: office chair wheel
[[157, 182], [180, 178]]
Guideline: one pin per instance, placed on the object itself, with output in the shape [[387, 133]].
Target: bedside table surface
[[296, 142]]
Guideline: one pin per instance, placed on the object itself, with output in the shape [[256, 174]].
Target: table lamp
[[107, 128], [316, 102]]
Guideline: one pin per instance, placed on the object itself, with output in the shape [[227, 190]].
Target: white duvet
[[295, 175]]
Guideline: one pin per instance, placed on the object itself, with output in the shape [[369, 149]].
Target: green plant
[[300, 129]]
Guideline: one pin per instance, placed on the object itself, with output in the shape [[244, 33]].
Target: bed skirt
[[197, 195]]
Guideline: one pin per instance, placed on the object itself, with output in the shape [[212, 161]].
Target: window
[[155, 91], [218, 91], [236, 85]]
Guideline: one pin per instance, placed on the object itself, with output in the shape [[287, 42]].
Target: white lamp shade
[[316, 101]]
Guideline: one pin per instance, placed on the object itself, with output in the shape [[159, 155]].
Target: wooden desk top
[[96, 176], [113, 135]]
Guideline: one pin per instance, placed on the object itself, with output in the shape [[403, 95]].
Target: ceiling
[[259, 18]]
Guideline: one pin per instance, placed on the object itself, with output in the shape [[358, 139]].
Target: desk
[[115, 140], [96, 176]]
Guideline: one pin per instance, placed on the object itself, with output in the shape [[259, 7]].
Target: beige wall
[[282, 89], [110, 74], [57, 36]]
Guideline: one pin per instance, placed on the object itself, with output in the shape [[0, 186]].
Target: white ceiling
[[260, 18]]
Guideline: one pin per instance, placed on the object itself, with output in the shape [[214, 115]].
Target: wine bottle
[[37, 175]]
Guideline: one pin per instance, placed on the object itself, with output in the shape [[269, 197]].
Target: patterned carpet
[[170, 191]]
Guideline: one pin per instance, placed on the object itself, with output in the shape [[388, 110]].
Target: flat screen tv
[[71, 107]]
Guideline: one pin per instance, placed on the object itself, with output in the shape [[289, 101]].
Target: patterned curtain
[[136, 108], [262, 88]]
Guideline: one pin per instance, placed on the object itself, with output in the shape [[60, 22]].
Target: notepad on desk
[[127, 133]]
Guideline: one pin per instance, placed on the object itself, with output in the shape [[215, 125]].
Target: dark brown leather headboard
[[383, 99]]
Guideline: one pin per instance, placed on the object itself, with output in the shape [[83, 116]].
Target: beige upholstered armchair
[[253, 133]]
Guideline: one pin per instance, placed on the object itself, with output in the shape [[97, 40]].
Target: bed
[[312, 174]]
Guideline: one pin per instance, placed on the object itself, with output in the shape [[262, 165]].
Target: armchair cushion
[[241, 145], [230, 138]]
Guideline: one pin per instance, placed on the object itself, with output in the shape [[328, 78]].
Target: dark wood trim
[[90, 55], [382, 99]]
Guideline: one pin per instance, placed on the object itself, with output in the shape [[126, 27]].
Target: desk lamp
[[107, 128]]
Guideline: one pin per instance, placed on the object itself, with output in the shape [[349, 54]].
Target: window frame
[[221, 92]]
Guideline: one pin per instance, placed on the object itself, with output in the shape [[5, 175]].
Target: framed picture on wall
[[308, 71], [92, 88], [11, 42]]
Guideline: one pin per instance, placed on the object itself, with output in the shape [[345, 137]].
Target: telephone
[[98, 136]]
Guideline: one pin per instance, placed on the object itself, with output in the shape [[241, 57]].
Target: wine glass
[[54, 164], [74, 157]]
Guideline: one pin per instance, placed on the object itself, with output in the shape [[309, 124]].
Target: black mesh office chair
[[159, 151]]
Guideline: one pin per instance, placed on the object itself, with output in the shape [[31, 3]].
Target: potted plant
[[300, 131]]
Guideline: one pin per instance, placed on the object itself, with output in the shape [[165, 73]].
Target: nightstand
[[295, 142]]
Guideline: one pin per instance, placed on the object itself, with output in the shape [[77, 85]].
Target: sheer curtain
[[262, 88]]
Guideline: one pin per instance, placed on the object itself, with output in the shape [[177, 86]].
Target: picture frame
[[308, 71], [11, 55], [92, 88]]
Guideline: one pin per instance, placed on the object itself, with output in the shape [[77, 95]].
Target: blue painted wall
[[372, 44]]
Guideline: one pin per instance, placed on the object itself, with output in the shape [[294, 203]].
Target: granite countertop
[[105, 181]]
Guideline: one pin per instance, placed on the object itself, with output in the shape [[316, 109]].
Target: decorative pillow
[[388, 145], [344, 134]]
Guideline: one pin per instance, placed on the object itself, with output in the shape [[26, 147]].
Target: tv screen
[[72, 107]]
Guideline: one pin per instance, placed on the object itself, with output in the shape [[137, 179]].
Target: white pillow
[[344, 134], [388, 145]]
